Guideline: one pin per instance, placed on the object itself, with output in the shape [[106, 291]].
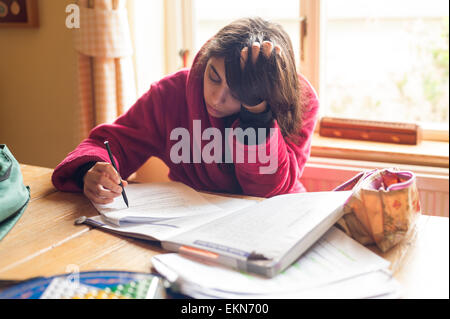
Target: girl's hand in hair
[[266, 48]]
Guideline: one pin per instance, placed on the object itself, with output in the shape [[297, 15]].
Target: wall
[[38, 118]]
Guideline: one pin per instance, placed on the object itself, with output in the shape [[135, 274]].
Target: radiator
[[324, 174]]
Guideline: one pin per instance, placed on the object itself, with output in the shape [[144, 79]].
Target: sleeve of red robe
[[133, 138]]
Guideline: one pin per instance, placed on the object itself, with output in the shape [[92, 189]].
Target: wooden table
[[45, 242]]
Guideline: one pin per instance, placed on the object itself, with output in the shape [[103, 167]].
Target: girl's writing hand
[[101, 183]]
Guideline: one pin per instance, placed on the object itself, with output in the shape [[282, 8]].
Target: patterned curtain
[[106, 79]]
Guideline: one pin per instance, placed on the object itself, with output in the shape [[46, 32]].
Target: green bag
[[14, 195]]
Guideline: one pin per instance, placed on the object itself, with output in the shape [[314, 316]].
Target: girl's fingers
[[244, 57], [255, 51], [101, 184], [103, 192], [109, 170], [277, 49], [97, 199], [267, 48], [99, 195], [106, 181], [98, 190]]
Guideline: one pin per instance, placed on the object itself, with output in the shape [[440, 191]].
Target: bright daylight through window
[[380, 60]]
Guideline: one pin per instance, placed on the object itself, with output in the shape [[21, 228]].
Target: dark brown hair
[[273, 79]]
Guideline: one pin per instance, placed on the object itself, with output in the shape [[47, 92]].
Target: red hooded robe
[[175, 102]]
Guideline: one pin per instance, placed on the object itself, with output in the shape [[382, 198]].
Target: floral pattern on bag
[[383, 207]]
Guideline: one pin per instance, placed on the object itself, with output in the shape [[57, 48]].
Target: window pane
[[385, 60], [211, 16]]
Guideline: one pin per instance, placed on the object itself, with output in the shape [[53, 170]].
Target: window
[[397, 53], [211, 16], [381, 60], [368, 59]]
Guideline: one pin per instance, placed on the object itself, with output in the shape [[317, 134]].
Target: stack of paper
[[335, 267]]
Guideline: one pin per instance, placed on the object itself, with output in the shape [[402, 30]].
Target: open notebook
[[263, 237]]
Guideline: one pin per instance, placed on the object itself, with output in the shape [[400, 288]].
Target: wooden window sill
[[427, 153]]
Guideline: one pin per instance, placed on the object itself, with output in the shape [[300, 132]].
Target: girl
[[243, 90]]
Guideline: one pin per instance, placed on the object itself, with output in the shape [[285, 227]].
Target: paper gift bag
[[383, 207]]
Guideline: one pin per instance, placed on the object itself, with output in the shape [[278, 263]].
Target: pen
[[115, 167]]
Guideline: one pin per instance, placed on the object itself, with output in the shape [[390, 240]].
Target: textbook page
[[154, 225], [332, 259], [164, 202], [270, 228]]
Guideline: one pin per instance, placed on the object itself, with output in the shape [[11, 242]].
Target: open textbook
[[263, 237], [336, 266]]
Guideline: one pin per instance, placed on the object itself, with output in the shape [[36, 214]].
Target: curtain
[[106, 80]]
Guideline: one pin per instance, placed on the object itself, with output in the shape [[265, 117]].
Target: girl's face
[[219, 100]]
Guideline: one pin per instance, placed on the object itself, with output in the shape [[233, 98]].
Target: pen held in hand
[[124, 195]]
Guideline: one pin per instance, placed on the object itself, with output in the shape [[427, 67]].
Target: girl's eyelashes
[[213, 77], [214, 80]]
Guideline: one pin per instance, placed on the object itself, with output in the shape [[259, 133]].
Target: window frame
[[311, 56], [311, 53]]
